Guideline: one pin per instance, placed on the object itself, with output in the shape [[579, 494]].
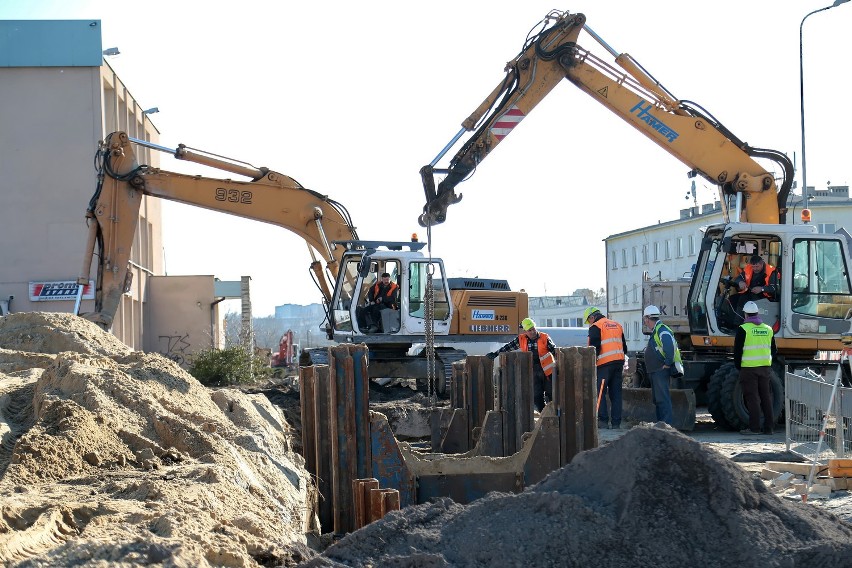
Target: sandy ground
[[118, 458]]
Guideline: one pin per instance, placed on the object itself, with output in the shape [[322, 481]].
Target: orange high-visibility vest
[[389, 294], [749, 273], [612, 348], [548, 363]]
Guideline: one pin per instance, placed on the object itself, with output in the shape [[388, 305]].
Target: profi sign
[[63, 290]]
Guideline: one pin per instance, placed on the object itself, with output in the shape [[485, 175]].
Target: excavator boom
[[683, 129], [271, 197]]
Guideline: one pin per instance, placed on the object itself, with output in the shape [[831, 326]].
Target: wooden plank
[[795, 467]]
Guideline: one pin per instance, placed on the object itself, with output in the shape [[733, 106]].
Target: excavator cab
[[813, 297], [353, 317]]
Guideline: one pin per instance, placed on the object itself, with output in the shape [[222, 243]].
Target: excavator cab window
[[417, 278], [820, 279], [342, 314]]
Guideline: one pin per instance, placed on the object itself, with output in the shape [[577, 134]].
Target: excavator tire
[[733, 404], [714, 394]]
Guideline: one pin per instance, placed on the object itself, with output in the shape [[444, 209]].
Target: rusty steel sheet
[[382, 501], [457, 437], [467, 487], [575, 398], [491, 436], [544, 454], [307, 381], [361, 500], [323, 445], [388, 463], [343, 451], [516, 398]]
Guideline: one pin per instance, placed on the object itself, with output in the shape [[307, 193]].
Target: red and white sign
[[504, 125], [64, 290]]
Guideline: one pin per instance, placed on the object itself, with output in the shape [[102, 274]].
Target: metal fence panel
[[807, 403]]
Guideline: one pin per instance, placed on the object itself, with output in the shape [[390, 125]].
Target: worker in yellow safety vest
[[607, 337], [754, 351], [544, 359]]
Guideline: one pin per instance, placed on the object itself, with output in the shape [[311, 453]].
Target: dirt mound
[[652, 498], [52, 333], [113, 456]]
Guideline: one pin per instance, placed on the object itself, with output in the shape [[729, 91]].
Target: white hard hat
[[651, 312], [750, 308]]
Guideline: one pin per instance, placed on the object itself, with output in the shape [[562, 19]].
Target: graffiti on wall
[[175, 348]]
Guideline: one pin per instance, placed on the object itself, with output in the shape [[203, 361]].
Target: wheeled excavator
[[344, 267], [812, 312]]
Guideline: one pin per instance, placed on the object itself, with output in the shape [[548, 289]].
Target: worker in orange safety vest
[[607, 337], [544, 360]]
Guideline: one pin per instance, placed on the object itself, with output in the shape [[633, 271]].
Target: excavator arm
[[271, 197], [682, 128]]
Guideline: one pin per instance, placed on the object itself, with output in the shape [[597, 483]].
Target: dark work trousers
[[611, 374], [542, 386], [755, 385], [662, 396]]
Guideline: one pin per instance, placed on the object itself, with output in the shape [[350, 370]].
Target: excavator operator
[[383, 295], [757, 281]]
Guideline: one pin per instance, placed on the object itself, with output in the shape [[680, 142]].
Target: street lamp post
[[802, 97]]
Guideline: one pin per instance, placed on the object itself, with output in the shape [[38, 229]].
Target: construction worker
[[757, 281], [754, 351], [544, 360], [383, 295], [607, 337], [662, 360]]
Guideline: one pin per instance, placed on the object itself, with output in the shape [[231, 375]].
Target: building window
[[645, 254], [614, 260], [635, 293], [635, 257], [627, 331], [636, 328], [679, 247], [826, 228], [656, 252], [624, 296], [691, 245], [549, 322], [615, 295], [668, 249], [623, 257]]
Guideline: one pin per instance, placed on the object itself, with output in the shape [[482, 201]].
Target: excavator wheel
[[714, 394], [733, 404]]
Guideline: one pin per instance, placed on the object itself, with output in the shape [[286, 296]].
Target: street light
[[802, 98]]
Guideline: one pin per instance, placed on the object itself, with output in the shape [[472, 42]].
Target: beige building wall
[[51, 119], [187, 323]]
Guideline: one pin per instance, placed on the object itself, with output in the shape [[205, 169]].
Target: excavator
[[811, 314], [456, 311]]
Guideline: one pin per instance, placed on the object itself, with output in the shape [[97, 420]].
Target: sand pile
[[114, 456], [652, 498]]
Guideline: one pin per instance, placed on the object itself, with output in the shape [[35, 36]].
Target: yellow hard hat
[[527, 324], [589, 311]]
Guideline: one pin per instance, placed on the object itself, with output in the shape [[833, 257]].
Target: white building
[[669, 250]]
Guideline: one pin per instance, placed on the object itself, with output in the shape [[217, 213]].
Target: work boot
[[748, 432]]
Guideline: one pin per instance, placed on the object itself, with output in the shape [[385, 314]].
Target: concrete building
[[669, 251], [58, 98]]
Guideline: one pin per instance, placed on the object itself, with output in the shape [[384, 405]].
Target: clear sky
[[352, 98]]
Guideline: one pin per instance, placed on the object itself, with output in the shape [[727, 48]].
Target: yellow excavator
[[812, 311], [460, 311]]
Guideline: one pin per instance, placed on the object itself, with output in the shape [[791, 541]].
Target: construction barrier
[[809, 406]]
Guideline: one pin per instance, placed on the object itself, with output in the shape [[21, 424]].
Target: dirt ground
[[117, 458], [113, 457]]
